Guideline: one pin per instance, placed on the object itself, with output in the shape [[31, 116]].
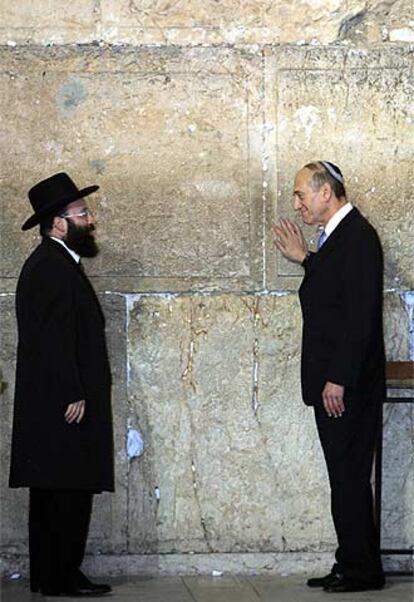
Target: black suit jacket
[[61, 359], [341, 299]]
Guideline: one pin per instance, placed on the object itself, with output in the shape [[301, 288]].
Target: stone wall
[[193, 118]]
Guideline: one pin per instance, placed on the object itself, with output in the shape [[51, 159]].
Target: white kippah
[[332, 171]]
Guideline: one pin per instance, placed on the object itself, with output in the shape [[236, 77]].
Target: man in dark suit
[[343, 363], [62, 430]]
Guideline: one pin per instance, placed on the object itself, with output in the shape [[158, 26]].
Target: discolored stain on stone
[[184, 167], [3, 384], [71, 95], [99, 165]]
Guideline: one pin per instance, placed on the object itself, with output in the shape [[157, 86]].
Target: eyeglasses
[[83, 213]]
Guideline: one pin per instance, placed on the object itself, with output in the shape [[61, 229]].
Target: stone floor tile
[[294, 589], [227, 588], [269, 588]]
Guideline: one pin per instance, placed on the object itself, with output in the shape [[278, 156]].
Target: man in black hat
[[62, 445], [343, 361]]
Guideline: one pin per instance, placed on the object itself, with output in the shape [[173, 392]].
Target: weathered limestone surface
[[196, 155], [355, 109], [205, 21], [143, 21], [398, 476], [398, 442], [397, 326], [383, 21], [177, 156], [222, 430], [232, 462], [214, 388], [48, 21]]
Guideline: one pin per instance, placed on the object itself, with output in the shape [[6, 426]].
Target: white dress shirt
[[337, 218]]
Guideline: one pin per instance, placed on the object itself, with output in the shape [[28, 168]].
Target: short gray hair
[[321, 174]]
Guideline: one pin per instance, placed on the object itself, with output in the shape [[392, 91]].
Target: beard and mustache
[[81, 240]]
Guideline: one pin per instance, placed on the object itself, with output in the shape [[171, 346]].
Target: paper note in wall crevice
[[135, 444]]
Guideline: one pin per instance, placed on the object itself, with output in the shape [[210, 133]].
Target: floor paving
[[226, 588]]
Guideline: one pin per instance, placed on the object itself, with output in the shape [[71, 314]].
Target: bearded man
[[62, 445]]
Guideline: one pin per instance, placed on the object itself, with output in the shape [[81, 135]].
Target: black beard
[[80, 239]]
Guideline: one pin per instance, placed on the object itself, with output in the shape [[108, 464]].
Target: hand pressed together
[[290, 240]]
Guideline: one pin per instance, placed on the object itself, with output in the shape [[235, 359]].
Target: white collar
[[75, 256], [337, 218]]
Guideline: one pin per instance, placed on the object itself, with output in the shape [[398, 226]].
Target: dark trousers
[[348, 444], [58, 529]]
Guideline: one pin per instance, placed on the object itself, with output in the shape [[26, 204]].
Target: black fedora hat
[[52, 194]]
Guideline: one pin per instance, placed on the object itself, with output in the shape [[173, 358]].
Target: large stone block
[[161, 22], [204, 22], [398, 445], [48, 21], [354, 108], [398, 476], [302, 498], [172, 137], [214, 386], [397, 326], [383, 22], [108, 529]]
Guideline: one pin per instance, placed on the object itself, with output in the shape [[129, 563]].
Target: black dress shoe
[[321, 581], [84, 591], [94, 589], [83, 581], [340, 584], [85, 584]]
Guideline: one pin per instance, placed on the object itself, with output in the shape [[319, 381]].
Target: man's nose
[[296, 203]]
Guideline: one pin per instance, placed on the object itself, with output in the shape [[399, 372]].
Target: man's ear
[[59, 224], [326, 191]]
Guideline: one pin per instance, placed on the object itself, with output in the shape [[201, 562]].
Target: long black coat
[[341, 298], [61, 358]]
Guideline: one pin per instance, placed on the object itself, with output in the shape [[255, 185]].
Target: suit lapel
[[335, 238], [56, 246], [77, 267]]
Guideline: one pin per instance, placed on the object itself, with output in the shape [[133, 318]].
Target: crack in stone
[[198, 502], [188, 377], [188, 374], [408, 300], [255, 397], [350, 22], [255, 313], [254, 309]]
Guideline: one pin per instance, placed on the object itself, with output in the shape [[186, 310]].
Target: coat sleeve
[[55, 306], [361, 309]]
